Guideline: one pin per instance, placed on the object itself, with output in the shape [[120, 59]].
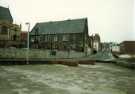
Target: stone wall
[[38, 53]]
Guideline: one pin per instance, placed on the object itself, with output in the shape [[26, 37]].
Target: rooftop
[[66, 26], [5, 14]]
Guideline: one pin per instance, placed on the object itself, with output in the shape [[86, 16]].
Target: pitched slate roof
[[5, 14], [66, 26]]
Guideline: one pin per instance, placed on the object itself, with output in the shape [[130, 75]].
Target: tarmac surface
[[101, 78]]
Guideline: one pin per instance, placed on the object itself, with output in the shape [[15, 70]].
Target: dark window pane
[[4, 30]]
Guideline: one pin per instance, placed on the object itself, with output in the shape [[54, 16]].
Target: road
[[59, 79]]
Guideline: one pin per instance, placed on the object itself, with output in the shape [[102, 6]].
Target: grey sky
[[112, 19]]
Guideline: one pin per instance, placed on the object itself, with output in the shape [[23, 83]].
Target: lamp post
[[28, 44]]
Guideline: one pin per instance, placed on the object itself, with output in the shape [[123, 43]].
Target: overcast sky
[[112, 19]]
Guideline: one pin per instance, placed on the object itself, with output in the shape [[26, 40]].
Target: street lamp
[[28, 44]]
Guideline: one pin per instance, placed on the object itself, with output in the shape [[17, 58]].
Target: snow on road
[[60, 79]]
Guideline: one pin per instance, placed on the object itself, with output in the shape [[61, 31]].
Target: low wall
[[38, 53]]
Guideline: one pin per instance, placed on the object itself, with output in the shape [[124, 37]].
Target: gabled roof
[[5, 14], [66, 26]]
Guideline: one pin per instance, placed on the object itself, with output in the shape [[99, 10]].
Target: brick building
[[9, 32], [127, 47]]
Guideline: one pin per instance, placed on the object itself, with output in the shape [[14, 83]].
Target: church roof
[[66, 26]]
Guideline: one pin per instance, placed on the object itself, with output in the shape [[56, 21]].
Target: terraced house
[[9, 32], [61, 35]]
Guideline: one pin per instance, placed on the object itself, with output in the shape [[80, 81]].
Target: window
[[14, 37], [53, 53], [55, 38], [45, 38], [36, 31], [65, 37], [0, 29], [16, 29], [59, 37], [4, 30], [32, 40], [72, 38], [41, 38]]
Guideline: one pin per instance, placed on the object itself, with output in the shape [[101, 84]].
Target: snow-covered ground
[[60, 79]]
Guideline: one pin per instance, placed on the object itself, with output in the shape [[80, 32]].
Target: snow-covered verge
[[59, 79]]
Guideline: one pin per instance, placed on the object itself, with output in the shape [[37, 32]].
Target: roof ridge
[[4, 7], [62, 20], [73, 26]]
